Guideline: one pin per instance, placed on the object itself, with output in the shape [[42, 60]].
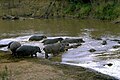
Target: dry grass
[[43, 69], [25, 70]]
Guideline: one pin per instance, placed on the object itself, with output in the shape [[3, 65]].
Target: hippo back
[[14, 45], [36, 38], [27, 50], [52, 41]]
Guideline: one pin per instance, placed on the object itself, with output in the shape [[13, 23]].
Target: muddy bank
[[43, 69]]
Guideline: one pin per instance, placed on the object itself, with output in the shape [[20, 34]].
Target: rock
[[92, 50], [116, 22], [104, 42], [109, 64], [116, 46], [96, 38], [9, 17]]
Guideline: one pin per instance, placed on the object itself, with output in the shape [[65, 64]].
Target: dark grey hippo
[[27, 50], [37, 38], [13, 46], [55, 49], [52, 41], [68, 40]]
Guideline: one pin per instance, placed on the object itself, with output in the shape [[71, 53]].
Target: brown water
[[58, 27]]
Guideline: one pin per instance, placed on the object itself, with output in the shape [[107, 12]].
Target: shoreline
[[35, 68]]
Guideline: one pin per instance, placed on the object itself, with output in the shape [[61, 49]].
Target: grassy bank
[[98, 9], [43, 69]]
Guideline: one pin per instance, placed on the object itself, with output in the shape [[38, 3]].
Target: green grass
[[109, 10]]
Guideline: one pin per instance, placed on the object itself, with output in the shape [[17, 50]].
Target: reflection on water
[[57, 27], [86, 29]]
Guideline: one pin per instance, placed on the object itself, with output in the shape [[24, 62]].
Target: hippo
[[27, 50], [68, 40], [55, 49], [13, 46], [52, 41], [37, 38]]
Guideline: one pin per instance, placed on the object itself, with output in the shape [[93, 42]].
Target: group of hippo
[[53, 46]]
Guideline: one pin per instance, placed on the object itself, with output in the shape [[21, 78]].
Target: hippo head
[[38, 49], [81, 40], [60, 39], [9, 44], [44, 36]]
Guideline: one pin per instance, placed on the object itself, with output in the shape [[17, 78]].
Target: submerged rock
[[92, 50], [109, 64], [97, 38], [116, 46], [104, 42]]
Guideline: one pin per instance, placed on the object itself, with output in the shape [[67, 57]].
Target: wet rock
[[9, 17], [68, 40], [52, 41], [109, 64], [55, 49], [96, 38], [115, 40], [118, 42], [116, 21], [104, 42], [92, 50], [26, 50], [3, 45], [116, 46], [37, 37]]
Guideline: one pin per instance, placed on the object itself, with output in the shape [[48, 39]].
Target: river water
[[89, 30]]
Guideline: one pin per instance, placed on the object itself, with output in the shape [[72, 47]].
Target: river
[[89, 30]]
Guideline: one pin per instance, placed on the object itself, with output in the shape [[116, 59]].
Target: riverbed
[[93, 32]]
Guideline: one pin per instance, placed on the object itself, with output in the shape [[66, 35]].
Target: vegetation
[[100, 9]]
